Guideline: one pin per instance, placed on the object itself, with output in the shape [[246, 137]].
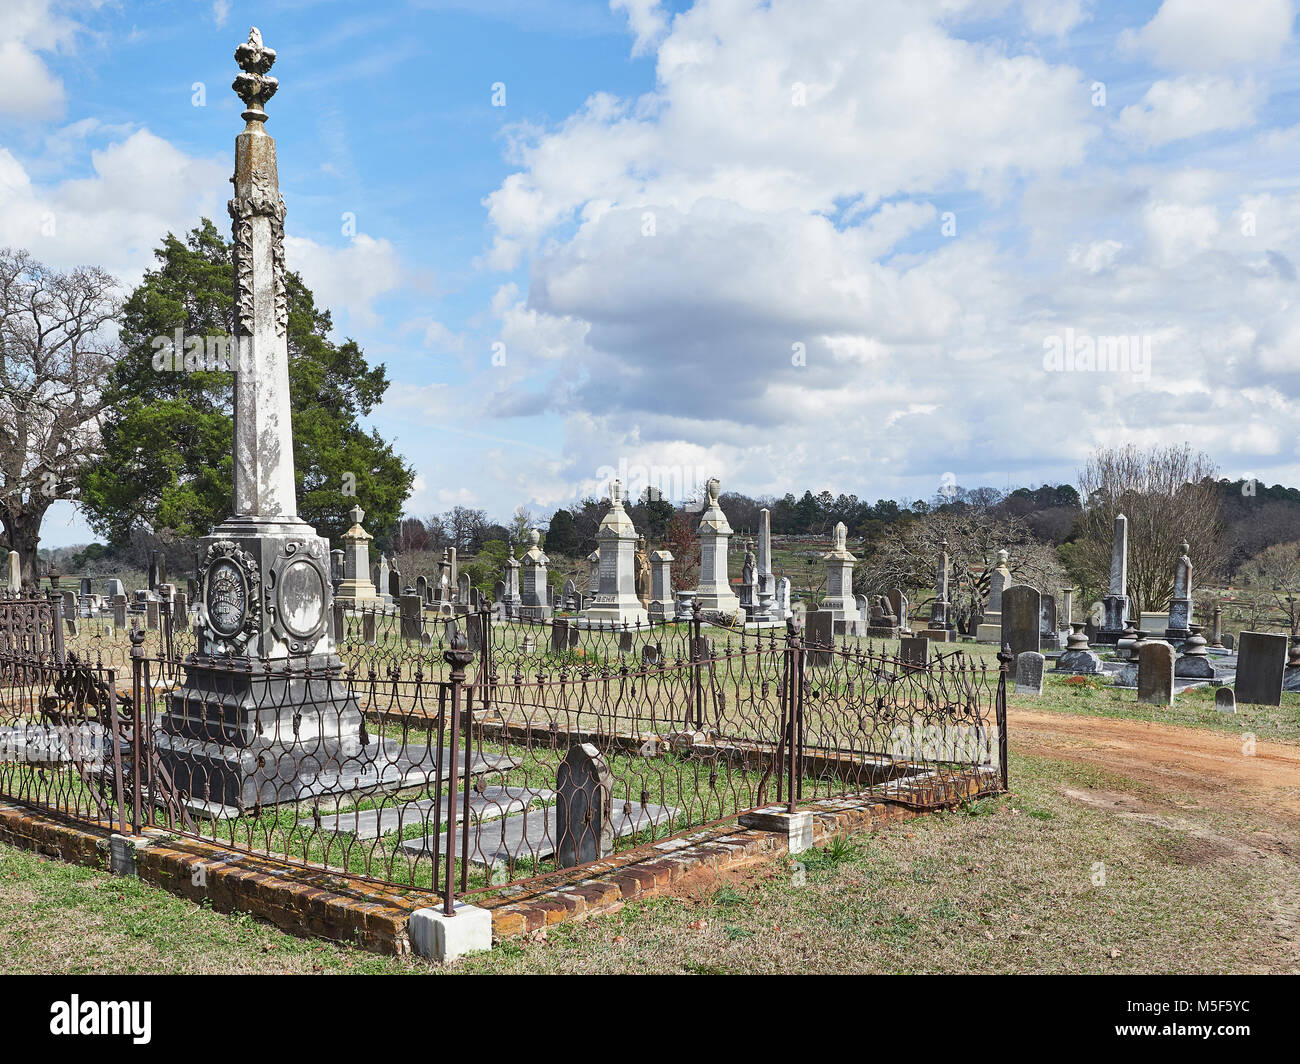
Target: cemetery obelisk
[[281, 720], [1115, 604]]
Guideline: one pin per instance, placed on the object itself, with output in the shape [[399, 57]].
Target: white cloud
[[349, 278], [646, 19], [28, 89], [1196, 35], [680, 245], [1189, 106]]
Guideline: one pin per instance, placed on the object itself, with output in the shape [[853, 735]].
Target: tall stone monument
[[614, 602], [714, 593], [941, 628], [237, 736], [534, 605], [357, 590], [990, 629], [839, 600], [1115, 604], [1180, 605], [662, 606]]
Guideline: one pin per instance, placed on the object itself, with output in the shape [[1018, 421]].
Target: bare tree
[[57, 345], [1168, 494], [909, 559], [1274, 575]]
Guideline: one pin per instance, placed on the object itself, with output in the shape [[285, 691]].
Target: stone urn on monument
[[264, 715]]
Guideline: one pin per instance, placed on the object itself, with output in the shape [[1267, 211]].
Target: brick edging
[[317, 903]]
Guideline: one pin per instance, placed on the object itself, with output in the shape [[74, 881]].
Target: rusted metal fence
[[475, 753]]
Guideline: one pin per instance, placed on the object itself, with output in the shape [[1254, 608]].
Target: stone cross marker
[[584, 808], [1261, 661]]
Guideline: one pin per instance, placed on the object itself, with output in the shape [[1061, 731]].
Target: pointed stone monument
[[990, 629], [714, 594], [534, 604], [941, 628], [235, 737], [1115, 604], [839, 600], [614, 602], [357, 590], [1180, 605]]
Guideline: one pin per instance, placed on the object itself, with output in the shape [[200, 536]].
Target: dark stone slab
[[1155, 673], [1021, 618], [1261, 660], [584, 827]]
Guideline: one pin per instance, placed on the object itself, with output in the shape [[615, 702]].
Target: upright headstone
[[1066, 617], [1180, 605], [593, 573], [783, 598], [15, 579], [119, 611], [749, 581], [614, 602], [766, 577], [336, 570], [155, 577], [412, 617], [1047, 630], [914, 650], [898, 604], [839, 600], [1155, 677], [357, 589], [384, 587], [584, 807], [1225, 700], [990, 629], [510, 578], [570, 597], [454, 572], [534, 602], [396, 589], [819, 632], [1115, 604], [1021, 618], [1216, 637], [713, 593], [1029, 673], [662, 606], [1261, 661]]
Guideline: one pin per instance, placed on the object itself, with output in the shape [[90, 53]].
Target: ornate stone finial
[[534, 537], [616, 492], [357, 514], [713, 486], [841, 536], [253, 86], [1186, 547], [1002, 556]]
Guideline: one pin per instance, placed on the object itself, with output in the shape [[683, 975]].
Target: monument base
[[273, 732]]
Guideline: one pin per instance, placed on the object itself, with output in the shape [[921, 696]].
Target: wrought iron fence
[[462, 754]]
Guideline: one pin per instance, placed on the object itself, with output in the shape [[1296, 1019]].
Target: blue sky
[[795, 244]]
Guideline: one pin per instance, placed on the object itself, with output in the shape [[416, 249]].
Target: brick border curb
[[316, 903]]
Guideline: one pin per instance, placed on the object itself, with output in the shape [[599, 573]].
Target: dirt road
[[1197, 761]]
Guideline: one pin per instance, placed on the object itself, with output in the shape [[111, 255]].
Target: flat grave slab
[[492, 803], [531, 836]]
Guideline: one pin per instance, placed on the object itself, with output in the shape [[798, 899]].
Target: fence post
[[697, 669], [458, 657], [1004, 667], [56, 615], [797, 658]]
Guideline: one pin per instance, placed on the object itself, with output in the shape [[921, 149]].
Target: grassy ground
[[1006, 885]]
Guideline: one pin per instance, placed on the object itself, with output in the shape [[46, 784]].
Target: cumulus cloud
[[347, 279], [747, 269], [1198, 35], [1189, 106], [28, 89]]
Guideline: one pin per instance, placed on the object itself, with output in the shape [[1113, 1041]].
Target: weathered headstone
[[898, 604], [1261, 659], [1021, 618], [713, 593], [412, 618], [1225, 700], [119, 611], [1180, 605], [819, 631], [615, 602], [1155, 678], [1115, 603], [914, 650], [358, 586], [14, 583], [1047, 630], [939, 621], [534, 602], [990, 629], [584, 808], [661, 607], [1029, 673]]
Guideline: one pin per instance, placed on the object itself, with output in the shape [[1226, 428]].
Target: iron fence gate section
[[479, 753]]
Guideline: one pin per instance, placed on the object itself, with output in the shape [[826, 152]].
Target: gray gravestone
[[819, 631], [584, 808], [1021, 618], [1029, 673], [1261, 659], [1155, 677], [1225, 701], [914, 650], [412, 617], [1047, 631]]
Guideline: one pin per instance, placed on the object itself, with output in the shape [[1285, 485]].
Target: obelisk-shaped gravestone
[[1115, 604], [281, 721]]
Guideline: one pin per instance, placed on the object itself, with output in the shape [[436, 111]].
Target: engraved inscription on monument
[[227, 598], [302, 598]]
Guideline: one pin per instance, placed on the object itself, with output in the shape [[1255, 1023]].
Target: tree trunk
[[24, 534]]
